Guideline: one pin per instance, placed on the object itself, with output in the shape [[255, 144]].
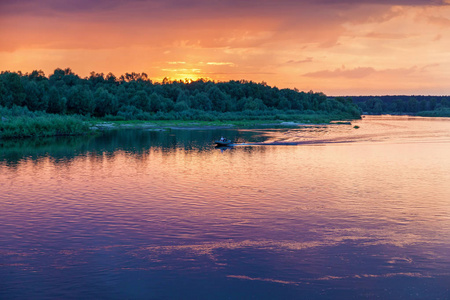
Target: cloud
[[256, 40], [388, 35], [440, 21], [183, 4], [301, 61], [363, 72], [230, 64], [438, 37], [342, 72], [186, 71], [391, 2], [102, 24]]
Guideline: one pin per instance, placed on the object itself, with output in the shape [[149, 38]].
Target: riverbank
[[42, 126], [19, 122], [200, 125], [293, 120]]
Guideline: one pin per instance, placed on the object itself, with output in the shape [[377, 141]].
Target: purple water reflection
[[145, 215]]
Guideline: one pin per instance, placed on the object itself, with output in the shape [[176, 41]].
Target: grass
[[41, 126], [45, 125], [19, 122]]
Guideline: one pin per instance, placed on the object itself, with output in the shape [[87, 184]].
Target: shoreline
[[23, 130], [95, 126], [203, 125]]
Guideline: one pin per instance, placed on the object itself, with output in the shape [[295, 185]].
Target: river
[[346, 213]]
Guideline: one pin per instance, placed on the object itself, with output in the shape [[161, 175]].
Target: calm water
[[136, 214]]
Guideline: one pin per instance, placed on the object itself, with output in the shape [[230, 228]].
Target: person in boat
[[222, 139]]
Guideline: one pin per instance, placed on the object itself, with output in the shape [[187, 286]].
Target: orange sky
[[340, 48]]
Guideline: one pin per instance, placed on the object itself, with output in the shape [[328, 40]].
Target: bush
[[23, 123]]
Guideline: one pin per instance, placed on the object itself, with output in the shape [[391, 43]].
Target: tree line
[[136, 96], [420, 105]]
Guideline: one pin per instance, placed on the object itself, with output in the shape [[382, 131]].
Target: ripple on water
[[354, 209]]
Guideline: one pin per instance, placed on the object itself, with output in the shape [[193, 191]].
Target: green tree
[[181, 106], [35, 99], [284, 103], [15, 92], [218, 99], [142, 101], [56, 103], [203, 102], [57, 75], [80, 101], [96, 78], [105, 103], [37, 75], [254, 104], [111, 78], [413, 105]]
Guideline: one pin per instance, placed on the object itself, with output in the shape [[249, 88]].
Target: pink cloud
[[263, 40], [342, 72], [440, 21], [301, 61]]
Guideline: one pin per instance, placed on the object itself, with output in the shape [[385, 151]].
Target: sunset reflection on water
[[263, 220]]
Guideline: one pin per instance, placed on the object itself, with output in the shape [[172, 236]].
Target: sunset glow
[[339, 48]]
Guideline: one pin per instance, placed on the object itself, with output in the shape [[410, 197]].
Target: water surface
[[352, 213]]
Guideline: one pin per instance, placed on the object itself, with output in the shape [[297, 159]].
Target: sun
[[186, 78]]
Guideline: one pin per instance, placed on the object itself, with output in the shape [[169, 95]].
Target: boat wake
[[282, 143]]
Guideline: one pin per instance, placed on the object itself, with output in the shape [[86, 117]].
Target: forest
[[33, 104], [427, 106], [133, 96]]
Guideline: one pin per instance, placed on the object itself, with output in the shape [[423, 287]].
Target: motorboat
[[223, 143]]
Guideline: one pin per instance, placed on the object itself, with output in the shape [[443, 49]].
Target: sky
[[350, 47]]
